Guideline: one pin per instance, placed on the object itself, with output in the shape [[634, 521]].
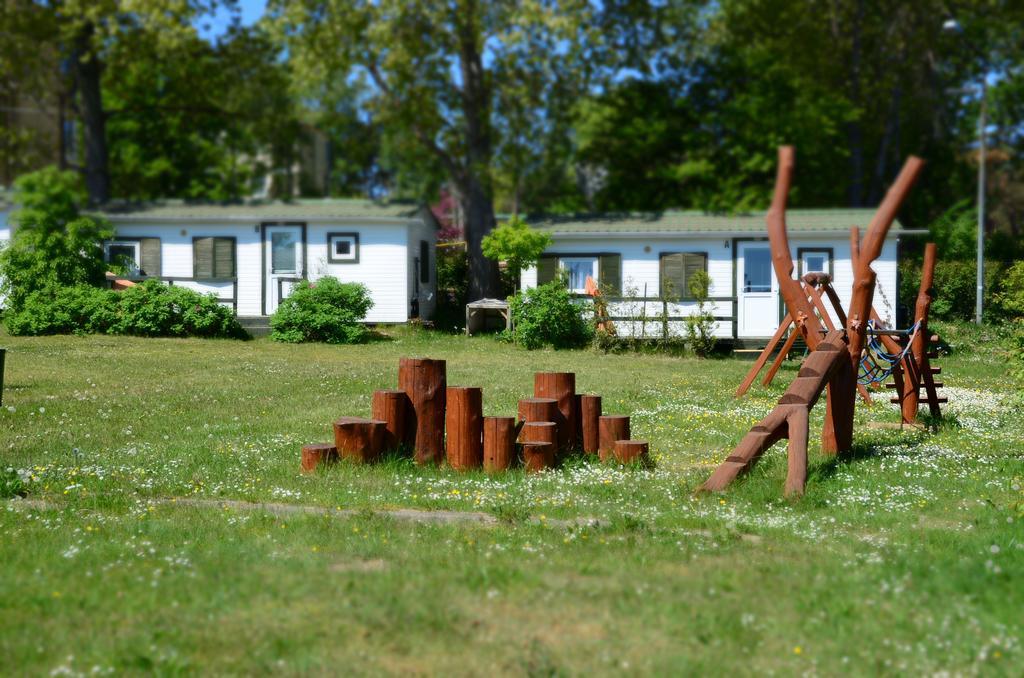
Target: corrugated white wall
[[381, 267], [640, 267], [382, 251], [176, 255]]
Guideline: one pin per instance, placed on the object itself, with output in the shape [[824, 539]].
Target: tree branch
[[446, 159]]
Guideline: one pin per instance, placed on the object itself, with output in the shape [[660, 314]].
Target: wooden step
[[923, 401], [935, 370]]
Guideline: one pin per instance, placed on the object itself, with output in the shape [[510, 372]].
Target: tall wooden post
[[424, 382], [499, 443], [464, 421], [562, 387], [917, 369]]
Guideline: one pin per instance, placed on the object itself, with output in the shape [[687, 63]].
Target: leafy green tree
[[81, 34], [515, 243], [53, 245], [451, 82]]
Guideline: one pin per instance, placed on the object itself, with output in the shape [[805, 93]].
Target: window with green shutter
[[677, 269], [609, 271], [547, 268], [213, 258]]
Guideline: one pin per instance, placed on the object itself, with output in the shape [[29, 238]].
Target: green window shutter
[[692, 263], [673, 278], [547, 268], [609, 270], [223, 257], [202, 257], [149, 256]]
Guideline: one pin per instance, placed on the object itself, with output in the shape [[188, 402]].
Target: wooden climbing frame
[[834, 355]]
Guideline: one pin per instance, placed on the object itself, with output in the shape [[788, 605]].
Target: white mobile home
[[252, 255], [645, 262]]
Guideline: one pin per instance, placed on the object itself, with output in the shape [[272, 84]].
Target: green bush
[[1008, 299], [81, 309], [53, 246], [326, 310], [547, 316], [151, 309], [955, 283]]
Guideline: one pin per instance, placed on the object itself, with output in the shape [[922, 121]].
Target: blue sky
[[215, 26]]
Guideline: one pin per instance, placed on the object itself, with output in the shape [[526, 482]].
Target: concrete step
[[256, 325]]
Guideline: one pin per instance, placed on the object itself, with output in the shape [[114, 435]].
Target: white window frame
[[135, 246], [595, 266]]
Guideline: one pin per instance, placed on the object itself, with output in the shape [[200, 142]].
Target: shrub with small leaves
[[326, 310], [81, 309], [547, 316], [150, 309]]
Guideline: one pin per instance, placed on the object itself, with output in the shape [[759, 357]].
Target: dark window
[[213, 257], [424, 261], [343, 247]]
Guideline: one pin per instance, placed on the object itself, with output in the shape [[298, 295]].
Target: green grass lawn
[[907, 557]]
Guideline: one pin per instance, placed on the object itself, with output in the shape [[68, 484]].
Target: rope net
[[877, 364]]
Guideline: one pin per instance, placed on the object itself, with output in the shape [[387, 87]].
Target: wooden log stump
[[499, 443], [562, 387], [358, 439], [631, 451], [316, 454], [611, 427], [539, 432], [424, 381], [464, 420], [538, 456], [590, 414], [390, 406]]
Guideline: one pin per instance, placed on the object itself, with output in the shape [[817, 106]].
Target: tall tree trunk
[[87, 69], [477, 197], [478, 206], [854, 128]]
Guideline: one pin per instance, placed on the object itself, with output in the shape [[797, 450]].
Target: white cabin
[[645, 262], [252, 255]]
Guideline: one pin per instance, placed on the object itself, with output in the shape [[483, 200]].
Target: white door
[[757, 296], [283, 266]]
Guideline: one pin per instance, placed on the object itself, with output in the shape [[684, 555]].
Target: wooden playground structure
[[440, 423], [844, 358], [904, 355]]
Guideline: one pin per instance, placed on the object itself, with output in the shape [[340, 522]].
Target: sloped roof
[[797, 221], [297, 210]]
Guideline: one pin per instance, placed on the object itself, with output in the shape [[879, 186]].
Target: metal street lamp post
[[953, 26]]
